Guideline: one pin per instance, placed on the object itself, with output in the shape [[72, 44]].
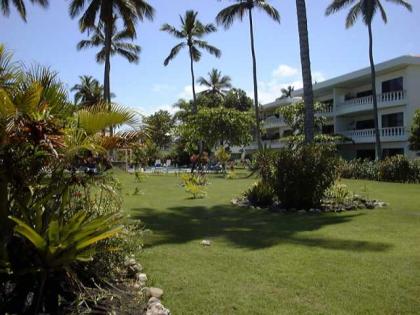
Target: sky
[[50, 37]]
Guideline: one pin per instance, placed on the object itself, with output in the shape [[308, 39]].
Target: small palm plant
[[191, 33], [367, 10], [216, 84], [88, 92]]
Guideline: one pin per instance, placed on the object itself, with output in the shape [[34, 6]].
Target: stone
[[142, 277], [157, 309], [130, 262], [380, 204], [155, 292], [205, 243], [153, 300]]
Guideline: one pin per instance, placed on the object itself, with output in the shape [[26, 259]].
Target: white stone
[[205, 243], [157, 309], [142, 277]]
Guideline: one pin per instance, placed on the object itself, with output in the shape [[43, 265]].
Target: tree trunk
[[193, 81], [254, 70], [107, 83], [4, 197], [378, 149], [308, 95]]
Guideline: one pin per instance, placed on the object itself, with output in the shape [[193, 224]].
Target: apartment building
[[349, 104]]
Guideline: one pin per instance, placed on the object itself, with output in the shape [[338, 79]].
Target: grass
[[364, 262]]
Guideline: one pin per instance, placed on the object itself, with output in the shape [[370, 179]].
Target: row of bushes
[[392, 169]]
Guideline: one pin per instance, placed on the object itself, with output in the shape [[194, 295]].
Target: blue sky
[[50, 37]]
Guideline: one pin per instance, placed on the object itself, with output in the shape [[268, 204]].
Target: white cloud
[[158, 88], [283, 71], [187, 91]]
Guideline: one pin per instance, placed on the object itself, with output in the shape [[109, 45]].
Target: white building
[[350, 108]]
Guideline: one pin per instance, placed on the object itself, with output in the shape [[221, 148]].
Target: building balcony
[[368, 135], [365, 103], [273, 122]]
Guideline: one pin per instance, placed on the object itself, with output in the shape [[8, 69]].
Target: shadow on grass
[[248, 228]]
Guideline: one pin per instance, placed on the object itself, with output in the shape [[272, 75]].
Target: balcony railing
[[366, 133], [272, 121], [382, 98]]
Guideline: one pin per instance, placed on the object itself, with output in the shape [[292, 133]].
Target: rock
[[380, 204], [157, 309], [205, 243], [130, 262], [133, 270], [142, 277], [153, 300], [155, 292], [370, 205]]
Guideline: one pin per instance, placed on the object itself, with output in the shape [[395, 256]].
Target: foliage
[[216, 83], [222, 156], [231, 174], [20, 6], [89, 91], [339, 193], [196, 191], [146, 153], [260, 195], [415, 132], [392, 169], [218, 125], [263, 163], [194, 178], [159, 127], [237, 99], [301, 176]]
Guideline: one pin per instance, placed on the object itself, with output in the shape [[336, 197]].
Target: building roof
[[362, 75]]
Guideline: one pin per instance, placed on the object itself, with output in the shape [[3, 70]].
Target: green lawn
[[364, 262]]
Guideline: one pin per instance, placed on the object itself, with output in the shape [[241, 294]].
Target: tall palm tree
[[308, 94], [130, 11], [89, 91], [191, 32], [239, 10], [216, 83], [367, 10], [20, 6]]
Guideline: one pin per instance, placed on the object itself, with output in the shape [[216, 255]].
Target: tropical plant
[[239, 10], [20, 6], [308, 95], [366, 9], [216, 84], [260, 195], [130, 11], [222, 156], [287, 92], [237, 99], [196, 191], [415, 132], [88, 92], [191, 33], [158, 127]]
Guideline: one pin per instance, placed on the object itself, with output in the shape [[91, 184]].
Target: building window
[[393, 85], [392, 152], [364, 93], [287, 133], [365, 124], [393, 120], [365, 154]]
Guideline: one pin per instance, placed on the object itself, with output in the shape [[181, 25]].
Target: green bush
[[260, 195], [302, 175]]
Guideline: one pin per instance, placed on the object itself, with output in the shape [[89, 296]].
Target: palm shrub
[[260, 195], [302, 175]]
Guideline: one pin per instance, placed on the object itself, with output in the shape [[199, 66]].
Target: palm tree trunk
[[193, 81], [308, 94], [378, 149], [254, 69], [107, 83]]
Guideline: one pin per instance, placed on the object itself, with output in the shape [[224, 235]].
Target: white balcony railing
[[382, 98], [272, 122], [366, 133]]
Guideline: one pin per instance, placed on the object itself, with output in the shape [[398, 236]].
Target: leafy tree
[[88, 92], [130, 11], [415, 132], [159, 127], [20, 6], [237, 99], [191, 33], [239, 10], [308, 94], [218, 126], [367, 10], [216, 83], [222, 156]]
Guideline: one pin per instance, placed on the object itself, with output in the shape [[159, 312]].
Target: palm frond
[[174, 52]]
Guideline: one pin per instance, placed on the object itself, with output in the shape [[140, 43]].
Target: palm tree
[[216, 83], [308, 94], [88, 92], [191, 32], [20, 6], [238, 10], [287, 92], [367, 10], [130, 12]]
